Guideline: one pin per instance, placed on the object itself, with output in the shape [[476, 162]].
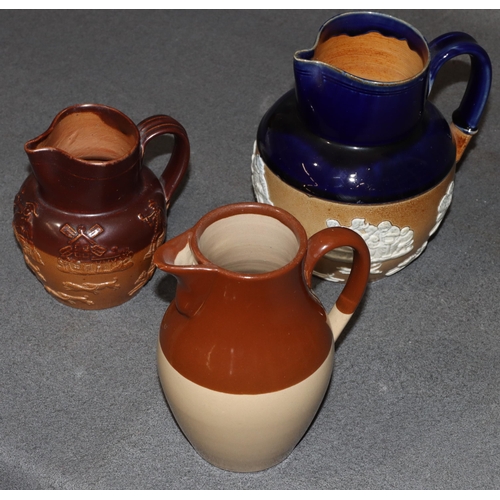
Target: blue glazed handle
[[445, 47]]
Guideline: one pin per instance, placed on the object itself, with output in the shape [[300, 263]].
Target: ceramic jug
[[90, 215], [358, 144], [245, 349]]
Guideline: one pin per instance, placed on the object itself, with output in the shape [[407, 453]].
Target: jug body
[[245, 351], [90, 216], [358, 144]]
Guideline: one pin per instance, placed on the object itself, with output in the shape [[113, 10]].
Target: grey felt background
[[414, 401]]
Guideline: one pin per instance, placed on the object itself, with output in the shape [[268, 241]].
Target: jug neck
[[79, 186], [365, 81], [250, 246], [88, 160]]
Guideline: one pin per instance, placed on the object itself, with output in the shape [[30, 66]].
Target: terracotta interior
[[371, 56], [85, 135], [249, 244]]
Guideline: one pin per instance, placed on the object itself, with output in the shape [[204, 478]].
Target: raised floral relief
[[443, 206], [407, 261], [385, 242], [259, 178]]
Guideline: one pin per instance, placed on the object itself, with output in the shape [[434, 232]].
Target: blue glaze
[[450, 45], [354, 174], [345, 138], [345, 108]]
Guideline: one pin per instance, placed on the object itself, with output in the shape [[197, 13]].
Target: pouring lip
[[250, 208], [30, 146], [299, 55]]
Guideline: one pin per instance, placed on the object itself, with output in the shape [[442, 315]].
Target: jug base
[[243, 433]]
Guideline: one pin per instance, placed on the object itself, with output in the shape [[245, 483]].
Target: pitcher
[[90, 215], [358, 144], [245, 350]]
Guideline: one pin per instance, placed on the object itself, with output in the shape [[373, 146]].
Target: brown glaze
[[244, 320], [371, 56], [90, 216], [461, 140], [328, 239]]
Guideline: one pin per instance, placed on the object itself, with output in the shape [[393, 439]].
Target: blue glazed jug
[[358, 144]]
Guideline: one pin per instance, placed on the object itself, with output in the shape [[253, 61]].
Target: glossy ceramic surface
[[358, 132], [246, 350], [90, 216]]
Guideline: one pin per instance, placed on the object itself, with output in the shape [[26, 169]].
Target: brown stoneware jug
[[90, 216], [246, 349]]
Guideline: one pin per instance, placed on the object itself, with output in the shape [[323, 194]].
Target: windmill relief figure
[[83, 255]]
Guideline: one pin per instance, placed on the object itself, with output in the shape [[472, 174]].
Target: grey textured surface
[[415, 399]]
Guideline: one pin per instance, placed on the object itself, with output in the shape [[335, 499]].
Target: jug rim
[[299, 54], [250, 208], [30, 146]]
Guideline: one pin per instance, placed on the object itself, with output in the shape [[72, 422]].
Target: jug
[[358, 144], [245, 350], [90, 216]]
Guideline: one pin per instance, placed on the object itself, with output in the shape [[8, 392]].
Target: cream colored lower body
[[243, 433], [396, 233]]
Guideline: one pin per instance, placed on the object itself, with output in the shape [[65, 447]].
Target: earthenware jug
[[358, 144], [245, 349], [90, 215]]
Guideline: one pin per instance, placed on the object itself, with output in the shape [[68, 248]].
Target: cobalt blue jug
[[358, 144]]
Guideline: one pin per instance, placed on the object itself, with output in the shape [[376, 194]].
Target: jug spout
[[194, 280]]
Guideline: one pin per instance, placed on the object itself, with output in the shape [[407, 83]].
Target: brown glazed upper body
[[244, 320], [90, 215]]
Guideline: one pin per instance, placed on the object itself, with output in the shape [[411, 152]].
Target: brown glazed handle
[[323, 242], [179, 159]]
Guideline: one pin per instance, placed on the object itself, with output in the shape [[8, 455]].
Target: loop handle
[[179, 159], [466, 117], [326, 240]]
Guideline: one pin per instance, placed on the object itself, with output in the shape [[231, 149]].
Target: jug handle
[[466, 117], [326, 240], [179, 159]]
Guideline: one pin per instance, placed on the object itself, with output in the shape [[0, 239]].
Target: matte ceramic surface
[[357, 136], [90, 215], [246, 350], [244, 432]]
